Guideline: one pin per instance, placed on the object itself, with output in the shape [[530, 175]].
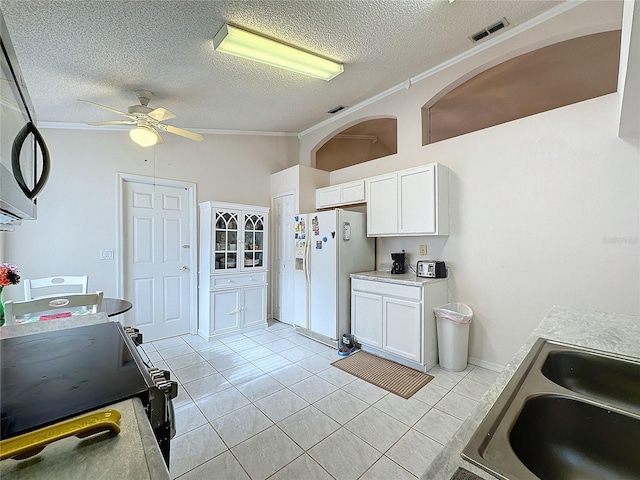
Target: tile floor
[[268, 404]]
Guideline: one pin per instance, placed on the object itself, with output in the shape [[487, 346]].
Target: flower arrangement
[[9, 275]]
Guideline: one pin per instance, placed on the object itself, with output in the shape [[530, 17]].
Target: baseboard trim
[[494, 367]]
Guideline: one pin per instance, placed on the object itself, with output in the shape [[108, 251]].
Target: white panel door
[[225, 313], [156, 267], [323, 265], [402, 328], [366, 318], [417, 200], [282, 286], [382, 205], [253, 305]]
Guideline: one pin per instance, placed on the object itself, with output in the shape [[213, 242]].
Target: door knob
[[184, 268]]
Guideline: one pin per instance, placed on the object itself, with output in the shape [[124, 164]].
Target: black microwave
[[24, 158]]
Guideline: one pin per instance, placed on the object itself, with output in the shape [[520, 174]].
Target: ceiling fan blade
[[183, 133], [161, 114], [114, 122], [106, 108]]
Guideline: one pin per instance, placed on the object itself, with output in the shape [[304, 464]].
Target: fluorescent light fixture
[[241, 43], [144, 136]]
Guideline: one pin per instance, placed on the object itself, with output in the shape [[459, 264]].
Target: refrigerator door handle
[[307, 272]]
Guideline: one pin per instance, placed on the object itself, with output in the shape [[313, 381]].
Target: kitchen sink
[[568, 412], [598, 376]]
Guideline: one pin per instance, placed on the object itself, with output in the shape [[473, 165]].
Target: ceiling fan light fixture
[[245, 44], [144, 136]]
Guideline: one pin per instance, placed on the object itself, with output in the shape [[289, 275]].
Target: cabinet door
[[382, 205], [328, 196], [225, 311], [254, 307], [402, 328], [366, 318], [352, 192], [254, 246], [226, 230], [417, 200]]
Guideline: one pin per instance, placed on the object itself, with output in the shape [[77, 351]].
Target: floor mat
[[391, 376]]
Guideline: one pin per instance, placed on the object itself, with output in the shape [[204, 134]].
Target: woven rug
[[391, 376]]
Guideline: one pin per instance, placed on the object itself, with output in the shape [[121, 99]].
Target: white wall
[[544, 210], [77, 209]]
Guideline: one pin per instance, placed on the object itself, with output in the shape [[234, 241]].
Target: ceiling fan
[[147, 121]]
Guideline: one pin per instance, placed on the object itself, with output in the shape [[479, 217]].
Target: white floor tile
[[266, 453], [341, 406], [308, 427], [483, 375], [456, 405], [224, 466], [271, 363], [193, 449], [255, 353], [344, 456], [281, 405], [385, 469], [194, 372], [260, 387], [408, 411], [365, 391], [430, 394], [438, 425], [336, 376], [313, 388], [168, 343], [188, 417], [315, 363], [294, 354], [227, 361], [183, 361], [290, 374], [176, 351], [242, 373], [443, 378], [240, 425], [470, 388], [414, 452], [377, 428], [206, 386], [302, 468], [222, 403]]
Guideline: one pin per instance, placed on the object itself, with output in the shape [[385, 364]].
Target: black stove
[[49, 377]]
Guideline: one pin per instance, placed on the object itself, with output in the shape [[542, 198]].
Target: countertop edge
[[400, 279]]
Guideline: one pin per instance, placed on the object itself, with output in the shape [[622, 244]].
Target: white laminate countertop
[[132, 454], [399, 278], [606, 332]]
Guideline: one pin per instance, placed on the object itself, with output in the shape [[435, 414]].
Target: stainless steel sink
[[568, 412]]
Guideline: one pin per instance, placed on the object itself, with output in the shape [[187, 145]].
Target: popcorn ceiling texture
[[103, 51]]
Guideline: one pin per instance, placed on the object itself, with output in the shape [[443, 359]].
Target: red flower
[[9, 275]]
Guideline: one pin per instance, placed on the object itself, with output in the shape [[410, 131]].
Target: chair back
[[64, 305], [54, 285]]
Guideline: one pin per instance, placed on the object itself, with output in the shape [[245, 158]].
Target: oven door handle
[[30, 128]]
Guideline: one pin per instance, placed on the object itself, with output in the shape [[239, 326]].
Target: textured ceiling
[[102, 51]]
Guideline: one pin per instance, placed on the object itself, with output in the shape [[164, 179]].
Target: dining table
[[115, 306]]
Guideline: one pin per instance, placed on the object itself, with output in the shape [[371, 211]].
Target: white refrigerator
[[328, 247]]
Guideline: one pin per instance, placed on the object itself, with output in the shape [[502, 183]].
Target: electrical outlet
[[423, 249]]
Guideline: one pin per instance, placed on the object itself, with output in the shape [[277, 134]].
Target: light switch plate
[[423, 249], [106, 254]]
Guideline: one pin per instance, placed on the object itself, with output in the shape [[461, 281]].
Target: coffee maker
[[398, 262]]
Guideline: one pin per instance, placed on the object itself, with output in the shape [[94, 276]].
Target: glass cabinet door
[[254, 237], [226, 240]]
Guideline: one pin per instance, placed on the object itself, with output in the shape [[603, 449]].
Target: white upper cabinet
[[341, 194], [409, 202]]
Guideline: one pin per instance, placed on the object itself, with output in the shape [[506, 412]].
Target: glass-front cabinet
[[240, 238], [233, 268]]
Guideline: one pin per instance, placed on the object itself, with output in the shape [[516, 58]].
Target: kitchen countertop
[[133, 453], [399, 278], [607, 332]]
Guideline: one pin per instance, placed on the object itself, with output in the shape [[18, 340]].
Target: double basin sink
[[567, 413]]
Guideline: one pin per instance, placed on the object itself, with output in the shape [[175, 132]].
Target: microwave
[[24, 158]]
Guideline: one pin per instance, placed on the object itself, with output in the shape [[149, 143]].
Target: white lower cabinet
[[235, 307], [396, 321]]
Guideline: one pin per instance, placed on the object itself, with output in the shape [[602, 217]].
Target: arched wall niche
[[357, 142], [553, 76]]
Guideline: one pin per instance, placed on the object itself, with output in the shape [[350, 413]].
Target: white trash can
[[453, 335]]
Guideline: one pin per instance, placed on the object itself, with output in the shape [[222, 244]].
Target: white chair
[[78, 303], [48, 286]]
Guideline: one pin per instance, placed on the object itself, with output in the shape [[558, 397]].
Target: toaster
[[431, 269]]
